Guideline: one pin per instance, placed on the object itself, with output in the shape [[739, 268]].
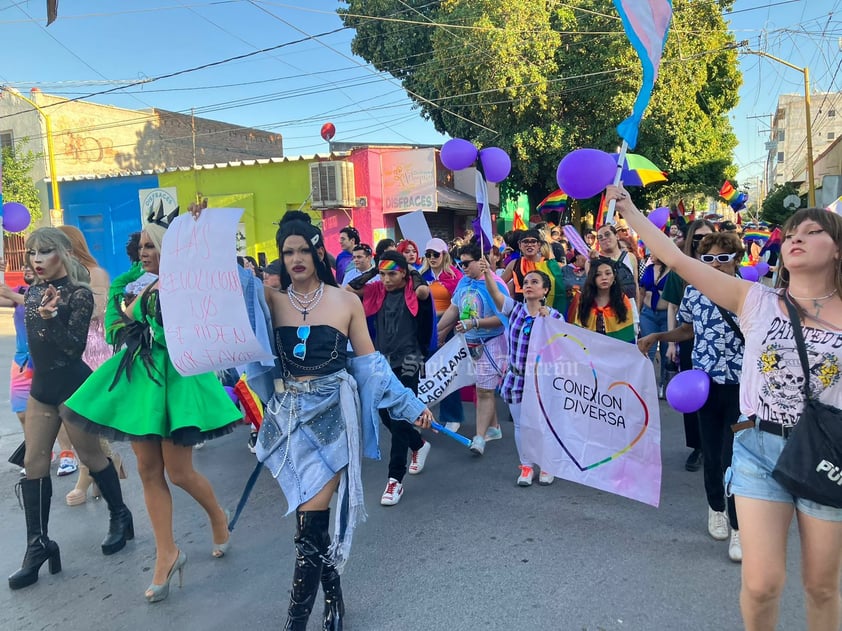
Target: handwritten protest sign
[[448, 370], [205, 321], [590, 411]]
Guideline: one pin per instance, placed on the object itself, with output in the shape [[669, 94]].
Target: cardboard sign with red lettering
[[205, 320]]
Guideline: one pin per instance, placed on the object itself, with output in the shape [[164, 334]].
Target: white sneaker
[[493, 433], [545, 479], [717, 525], [392, 494], [453, 426], [67, 463], [526, 475], [419, 459], [735, 550], [478, 445]]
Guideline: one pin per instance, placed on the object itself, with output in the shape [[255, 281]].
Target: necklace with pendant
[[304, 303], [817, 302]]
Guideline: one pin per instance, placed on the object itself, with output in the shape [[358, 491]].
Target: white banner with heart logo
[[590, 411]]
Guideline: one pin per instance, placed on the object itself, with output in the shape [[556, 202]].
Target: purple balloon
[[16, 217], [458, 154], [749, 273], [495, 164], [762, 268], [688, 391], [659, 217], [232, 394], [585, 172]]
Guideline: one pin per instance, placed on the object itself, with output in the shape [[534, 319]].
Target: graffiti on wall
[[81, 148]]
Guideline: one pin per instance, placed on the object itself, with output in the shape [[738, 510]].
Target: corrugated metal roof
[[204, 167]]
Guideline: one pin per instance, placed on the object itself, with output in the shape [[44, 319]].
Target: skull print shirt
[[772, 386]]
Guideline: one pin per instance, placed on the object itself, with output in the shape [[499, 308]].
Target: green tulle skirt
[[151, 401]]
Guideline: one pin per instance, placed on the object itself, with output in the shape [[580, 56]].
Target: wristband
[[476, 323], [52, 315]]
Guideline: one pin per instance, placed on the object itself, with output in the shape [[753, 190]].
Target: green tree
[[540, 79], [18, 185], [773, 209]]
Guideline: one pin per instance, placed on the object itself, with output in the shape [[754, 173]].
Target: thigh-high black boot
[[120, 525], [311, 542], [334, 613], [36, 496]]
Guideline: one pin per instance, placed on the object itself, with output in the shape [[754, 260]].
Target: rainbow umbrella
[[640, 171], [555, 201]]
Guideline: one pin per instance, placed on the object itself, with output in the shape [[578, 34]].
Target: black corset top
[[311, 350]]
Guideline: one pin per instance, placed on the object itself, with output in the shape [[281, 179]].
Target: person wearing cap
[[728, 226], [272, 274], [443, 276], [531, 258]]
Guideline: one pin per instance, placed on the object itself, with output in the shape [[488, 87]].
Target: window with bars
[[6, 140], [13, 251]]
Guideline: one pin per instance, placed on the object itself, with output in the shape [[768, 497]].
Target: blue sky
[[298, 87]]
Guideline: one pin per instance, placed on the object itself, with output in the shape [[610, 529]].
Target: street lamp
[[51, 157], [811, 180]]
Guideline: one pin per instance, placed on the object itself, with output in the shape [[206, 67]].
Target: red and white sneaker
[[526, 476], [419, 459], [392, 494]]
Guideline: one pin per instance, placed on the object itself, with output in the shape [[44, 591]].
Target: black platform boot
[[311, 541], [334, 614], [120, 525], [36, 496]]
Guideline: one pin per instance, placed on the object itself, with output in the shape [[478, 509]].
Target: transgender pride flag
[[647, 24]]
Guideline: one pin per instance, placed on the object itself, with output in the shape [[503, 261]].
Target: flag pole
[[621, 159]]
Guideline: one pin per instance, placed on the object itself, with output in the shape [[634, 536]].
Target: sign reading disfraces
[[205, 320]]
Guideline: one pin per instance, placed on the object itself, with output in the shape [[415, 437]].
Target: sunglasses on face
[[698, 237], [464, 264], [719, 258], [432, 254], [299, 351]]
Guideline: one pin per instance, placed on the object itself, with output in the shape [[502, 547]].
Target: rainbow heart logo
[[551, 353]]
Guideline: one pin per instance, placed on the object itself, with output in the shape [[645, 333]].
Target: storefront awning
[[461, 203]]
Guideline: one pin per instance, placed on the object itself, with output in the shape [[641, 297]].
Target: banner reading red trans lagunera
[[590, 411]]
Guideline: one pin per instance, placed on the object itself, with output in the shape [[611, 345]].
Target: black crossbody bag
[[810, 465]]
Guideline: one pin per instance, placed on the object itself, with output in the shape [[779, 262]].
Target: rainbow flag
[[555, 201], [773, 243], [647, 24], [600, 214], [517, 221], [756, 235], [728, 192]]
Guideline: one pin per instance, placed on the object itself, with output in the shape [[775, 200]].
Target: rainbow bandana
[[386, 266]]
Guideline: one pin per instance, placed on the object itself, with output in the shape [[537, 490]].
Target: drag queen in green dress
[[138, 395]]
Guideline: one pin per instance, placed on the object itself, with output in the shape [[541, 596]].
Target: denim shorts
[[750, 474]]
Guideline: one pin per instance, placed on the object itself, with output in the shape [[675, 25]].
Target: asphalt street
[[465, 549]]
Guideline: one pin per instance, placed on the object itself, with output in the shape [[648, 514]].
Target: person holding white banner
[[138, 395], [536, 285], [772, 399]]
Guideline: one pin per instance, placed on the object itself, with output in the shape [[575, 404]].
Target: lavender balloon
[[659, 217], [688, 391], [496, 164], [762, 269], [585, 172], [16, 217], [749, 273], [458, 154]]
